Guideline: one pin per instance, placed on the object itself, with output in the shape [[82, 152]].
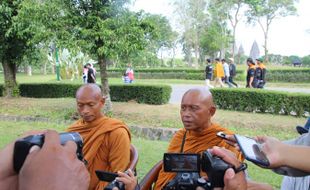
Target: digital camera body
[[188, 167], [187, 181], [110, 177], [22, 147]]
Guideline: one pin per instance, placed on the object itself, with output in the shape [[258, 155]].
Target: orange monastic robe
[[194, 143], [106, 147]]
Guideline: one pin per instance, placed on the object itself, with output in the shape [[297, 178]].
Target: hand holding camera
[[214, 162], [23, 146], [119, 181], [49, 166]]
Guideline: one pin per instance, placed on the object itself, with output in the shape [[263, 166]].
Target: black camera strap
[[183, 141]]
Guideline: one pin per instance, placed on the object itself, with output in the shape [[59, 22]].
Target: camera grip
[[21, 150]]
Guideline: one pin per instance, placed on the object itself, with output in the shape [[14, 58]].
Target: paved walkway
[[179, 90]]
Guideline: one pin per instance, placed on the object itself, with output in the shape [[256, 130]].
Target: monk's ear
[[212, 110]]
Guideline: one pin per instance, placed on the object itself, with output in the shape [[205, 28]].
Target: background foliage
[[253, 100]]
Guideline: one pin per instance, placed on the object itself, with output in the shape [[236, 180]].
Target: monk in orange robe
[[106, 140], [197, 108]]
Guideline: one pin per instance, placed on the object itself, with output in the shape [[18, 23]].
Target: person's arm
[[8, 177], [280, 154]]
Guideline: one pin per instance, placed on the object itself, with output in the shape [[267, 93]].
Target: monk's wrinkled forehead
[[197, 96], [88, 91]]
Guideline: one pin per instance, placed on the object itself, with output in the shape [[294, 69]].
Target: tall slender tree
[[265, 11]]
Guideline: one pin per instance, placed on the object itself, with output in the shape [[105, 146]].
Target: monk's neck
[[201, 129]]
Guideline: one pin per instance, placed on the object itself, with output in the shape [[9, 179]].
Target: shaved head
[[197, 108], [89, 102], [93, 89], [201, 93]]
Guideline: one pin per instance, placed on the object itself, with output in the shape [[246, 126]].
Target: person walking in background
[[260, 73], [218, 73], [209, 73], [91, 78], [84, 76], [227, 73], [250, 78], [232, 72], [130, 73]]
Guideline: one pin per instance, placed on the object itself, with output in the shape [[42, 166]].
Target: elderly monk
[[106, 140], [199, 131]]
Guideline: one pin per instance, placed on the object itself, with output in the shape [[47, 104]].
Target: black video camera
[[110, 177], [22, 147], [188, 167]]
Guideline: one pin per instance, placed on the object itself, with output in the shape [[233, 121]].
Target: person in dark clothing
[[250, 78], [232, 72], [209, 73], [260, 73], [90, 74]]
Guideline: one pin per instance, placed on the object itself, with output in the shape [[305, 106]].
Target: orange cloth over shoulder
[[106, 146], [195, 143], [262, 66]]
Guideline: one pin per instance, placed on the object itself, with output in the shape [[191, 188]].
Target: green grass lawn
[[282, 127], [150, 152]]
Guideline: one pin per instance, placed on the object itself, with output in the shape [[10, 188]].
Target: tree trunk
[[29, 70], [44, 68], [10, 84], [53, 69], [265, 46], [105, 83], [234, 42]]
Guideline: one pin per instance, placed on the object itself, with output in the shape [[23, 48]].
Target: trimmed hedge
[[255, 100], [155, 94], [50, 90], [159, 94], [1, 89], [273, 75]]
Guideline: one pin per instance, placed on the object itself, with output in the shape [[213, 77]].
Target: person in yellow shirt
[[218, 73]]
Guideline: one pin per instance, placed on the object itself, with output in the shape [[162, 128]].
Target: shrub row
[[272, 75], [254, 100], [155, 94], [1, 90]]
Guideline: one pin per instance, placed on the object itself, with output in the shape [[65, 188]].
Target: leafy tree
[[103, 29], [213, 39], [306, 60], [13, 46], [193, 19], [232, 9], [265, 11], [275, 59], [219, 16]]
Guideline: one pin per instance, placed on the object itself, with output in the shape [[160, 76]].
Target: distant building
[[296, 62]]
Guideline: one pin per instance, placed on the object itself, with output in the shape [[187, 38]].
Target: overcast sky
[[287, 36]]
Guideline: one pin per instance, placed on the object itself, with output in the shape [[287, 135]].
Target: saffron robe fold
[[106, 146], [195, 143]]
